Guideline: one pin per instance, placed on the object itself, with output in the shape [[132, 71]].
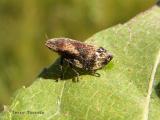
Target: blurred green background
[[25, 23]]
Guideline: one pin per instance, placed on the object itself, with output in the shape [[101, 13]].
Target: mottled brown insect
[[79, 54]]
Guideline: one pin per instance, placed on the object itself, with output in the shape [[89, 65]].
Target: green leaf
[[128, 88]]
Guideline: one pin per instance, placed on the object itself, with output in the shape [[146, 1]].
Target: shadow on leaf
[[157, 89], [54, 72]]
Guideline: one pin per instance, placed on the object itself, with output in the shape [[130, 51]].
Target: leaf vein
[[148, 98]]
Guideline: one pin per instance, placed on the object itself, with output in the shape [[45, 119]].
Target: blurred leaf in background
[[25, 23]]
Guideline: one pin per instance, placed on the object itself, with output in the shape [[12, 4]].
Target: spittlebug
[[78, 54]]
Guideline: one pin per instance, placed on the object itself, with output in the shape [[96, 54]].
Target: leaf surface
[[128, 88]]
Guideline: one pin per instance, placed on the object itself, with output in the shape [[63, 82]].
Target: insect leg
[[77, 74], [61, 63], [61, 67], [93, 72]]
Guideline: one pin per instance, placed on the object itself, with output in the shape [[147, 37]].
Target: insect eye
[[101, 49]]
